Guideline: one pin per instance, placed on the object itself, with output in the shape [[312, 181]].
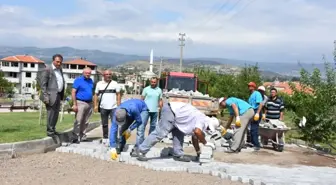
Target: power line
[[238, 13], [237, 2], [223, 5]]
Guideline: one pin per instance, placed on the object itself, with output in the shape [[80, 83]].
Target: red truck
[[187, 82]]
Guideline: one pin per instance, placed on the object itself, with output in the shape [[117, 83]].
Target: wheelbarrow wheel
[[264, 141], [280, 148]]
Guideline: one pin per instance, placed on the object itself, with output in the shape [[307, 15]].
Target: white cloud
[[256, 30]]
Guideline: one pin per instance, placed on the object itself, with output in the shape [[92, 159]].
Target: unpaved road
[[58, 168]]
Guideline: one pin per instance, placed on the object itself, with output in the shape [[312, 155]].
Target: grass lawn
[[21, 126]]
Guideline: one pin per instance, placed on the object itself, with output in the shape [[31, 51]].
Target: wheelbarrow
[[275, 135]]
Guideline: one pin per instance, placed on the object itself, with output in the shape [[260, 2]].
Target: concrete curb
[[46, 144]]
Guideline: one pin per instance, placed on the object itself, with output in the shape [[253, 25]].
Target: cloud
[[259, 30]]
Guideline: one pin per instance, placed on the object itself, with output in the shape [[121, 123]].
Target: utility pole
[[181, 39]]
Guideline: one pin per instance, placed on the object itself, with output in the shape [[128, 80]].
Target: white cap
[[261, 88], [220, 100], [213, 124]]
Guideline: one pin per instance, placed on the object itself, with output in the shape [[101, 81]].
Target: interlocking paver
[[246, 173]]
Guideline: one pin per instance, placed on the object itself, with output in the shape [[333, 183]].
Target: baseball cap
[[221, 99], [252, 84], [120, 115], [262, 88]]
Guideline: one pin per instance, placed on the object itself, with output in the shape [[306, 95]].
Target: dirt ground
[[61, 168]]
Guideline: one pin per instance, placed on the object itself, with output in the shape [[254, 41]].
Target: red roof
[[80, 61], [23, 58], [285, 87]]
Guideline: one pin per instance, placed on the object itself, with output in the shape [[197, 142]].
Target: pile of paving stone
[[187, 93]]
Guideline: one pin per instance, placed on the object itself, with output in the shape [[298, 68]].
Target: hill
[[110, 59]]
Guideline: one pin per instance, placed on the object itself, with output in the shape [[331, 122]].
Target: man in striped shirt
[[274, 106]]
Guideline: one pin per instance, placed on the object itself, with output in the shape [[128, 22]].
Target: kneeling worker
[[243, 113], [129, 115], [180, 119]]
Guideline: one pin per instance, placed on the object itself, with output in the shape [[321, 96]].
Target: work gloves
[[113, 154], [126, 134], [256, 117], [222, 131], [238, 121]]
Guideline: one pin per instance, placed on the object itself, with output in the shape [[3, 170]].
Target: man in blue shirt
[[243, 113], [255, 100], [129, 115], [82, 93]]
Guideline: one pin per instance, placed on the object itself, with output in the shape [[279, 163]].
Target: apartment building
[[74, 68], [21, 70]]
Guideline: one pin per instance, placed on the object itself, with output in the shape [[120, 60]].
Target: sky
[[254, 30]]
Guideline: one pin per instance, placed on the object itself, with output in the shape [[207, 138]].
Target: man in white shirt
[[109, 98], [180, 119]]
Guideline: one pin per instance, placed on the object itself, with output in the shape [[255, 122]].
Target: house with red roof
[[285, 86], [21, 70]]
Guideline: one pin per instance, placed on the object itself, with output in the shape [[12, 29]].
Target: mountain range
[[111, 59]]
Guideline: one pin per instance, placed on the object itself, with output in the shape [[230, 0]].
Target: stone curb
[[39, 145]]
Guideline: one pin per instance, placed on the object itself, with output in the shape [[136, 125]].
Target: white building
[[21, 70], [74, 68]]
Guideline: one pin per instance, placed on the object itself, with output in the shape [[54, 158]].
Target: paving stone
[[246, 173], [233, 177], [215, 173], [254, 182]]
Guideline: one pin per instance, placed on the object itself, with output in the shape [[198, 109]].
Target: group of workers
[[178, 118], [182, 119]]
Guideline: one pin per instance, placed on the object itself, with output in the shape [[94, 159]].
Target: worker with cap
[[255, 100], [127, 116], [180, 119], [262, 90], [243, 113]]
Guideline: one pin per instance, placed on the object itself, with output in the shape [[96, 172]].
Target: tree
[[6, 87], [229, 84], [316, 100]]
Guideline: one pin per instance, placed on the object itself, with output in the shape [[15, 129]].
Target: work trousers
[[164, 127], [238, 137], [82, 119], [255, 130]]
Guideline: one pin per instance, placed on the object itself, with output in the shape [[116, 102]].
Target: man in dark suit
[[52, 92]]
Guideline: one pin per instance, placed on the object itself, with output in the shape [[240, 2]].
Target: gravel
[[63, 168]]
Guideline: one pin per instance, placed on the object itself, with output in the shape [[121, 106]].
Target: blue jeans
[[164, 127], [122, 141], [153, 116], [254, 130]]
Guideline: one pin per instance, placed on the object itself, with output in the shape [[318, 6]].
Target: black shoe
[[57, 133], [75, 141], [230, 151], [51, 134], [134, 153], [182, 158], [142, 157]]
